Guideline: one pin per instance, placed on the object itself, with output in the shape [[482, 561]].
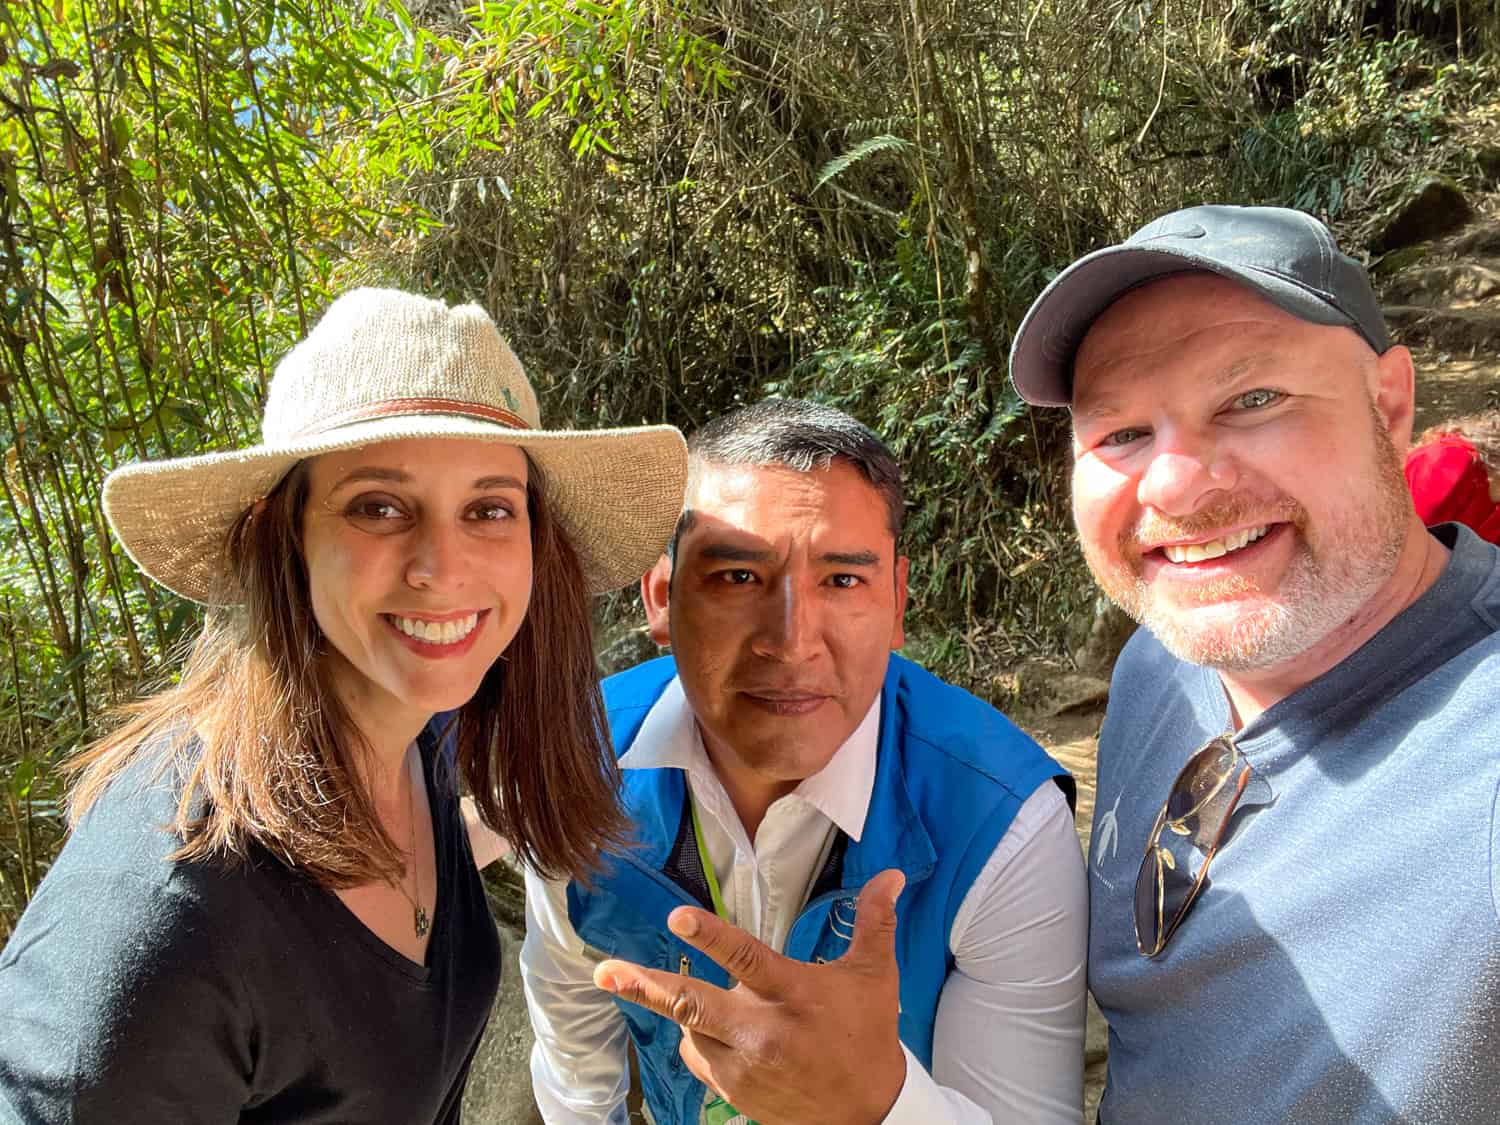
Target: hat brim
[[1041, 358], [616, 492]]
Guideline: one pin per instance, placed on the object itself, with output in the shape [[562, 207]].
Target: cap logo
[[1193, 231]]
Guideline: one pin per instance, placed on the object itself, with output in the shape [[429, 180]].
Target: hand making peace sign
[[791, 1042]]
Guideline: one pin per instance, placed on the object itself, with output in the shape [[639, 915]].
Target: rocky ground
[[1440, 282]]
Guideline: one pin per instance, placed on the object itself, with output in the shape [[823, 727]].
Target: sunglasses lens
[[1147, 923], [1201, 779], [1179, 883], [1164, 889]]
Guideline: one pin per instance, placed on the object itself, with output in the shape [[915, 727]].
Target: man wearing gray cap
[[1311, 710]]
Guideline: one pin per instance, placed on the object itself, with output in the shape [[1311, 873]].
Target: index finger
[[692, 1004], [750, 962]]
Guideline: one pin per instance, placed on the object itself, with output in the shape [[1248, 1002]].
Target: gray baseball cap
[[1286, 256]]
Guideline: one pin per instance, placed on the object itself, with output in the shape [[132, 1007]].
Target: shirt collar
[[669, 739]]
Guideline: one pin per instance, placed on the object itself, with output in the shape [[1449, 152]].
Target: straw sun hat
[[384, 365]]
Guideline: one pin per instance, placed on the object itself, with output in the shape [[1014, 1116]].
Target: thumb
[[874, 943]]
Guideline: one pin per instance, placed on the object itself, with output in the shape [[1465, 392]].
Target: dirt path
[[1448, 387], [1445, 306], [1073, 739]]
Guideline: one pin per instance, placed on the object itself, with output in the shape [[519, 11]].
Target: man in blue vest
[[1293, 891], [854, 893]]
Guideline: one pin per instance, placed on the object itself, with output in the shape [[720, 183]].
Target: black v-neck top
[[136, 989]]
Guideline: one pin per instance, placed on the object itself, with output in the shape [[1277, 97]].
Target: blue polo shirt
[[1343, 965]]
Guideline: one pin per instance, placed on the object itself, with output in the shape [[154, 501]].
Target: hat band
[[397, 407]]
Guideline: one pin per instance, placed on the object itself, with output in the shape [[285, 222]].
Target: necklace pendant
[[420, 921]]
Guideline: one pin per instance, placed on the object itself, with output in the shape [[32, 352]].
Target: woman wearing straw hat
[[268, 909]]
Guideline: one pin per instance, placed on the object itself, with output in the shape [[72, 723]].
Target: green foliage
[[502, 63], [185, 183], [867, 147], [982, 498], [1366, 106], [671, 208], [175, 204], [580, 57]]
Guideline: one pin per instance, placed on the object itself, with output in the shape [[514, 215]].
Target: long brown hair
[[267, 754]]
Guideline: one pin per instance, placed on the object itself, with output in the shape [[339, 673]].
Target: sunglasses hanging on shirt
[[1194, 816]]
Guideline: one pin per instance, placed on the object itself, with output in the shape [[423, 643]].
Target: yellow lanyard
[[708, 867], [716, 1111]]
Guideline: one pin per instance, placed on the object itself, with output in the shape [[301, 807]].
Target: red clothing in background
[[1449, 482]]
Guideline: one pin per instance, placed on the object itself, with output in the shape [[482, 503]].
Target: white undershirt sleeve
[[580, 1073], [1008, 1043], [485, 844]]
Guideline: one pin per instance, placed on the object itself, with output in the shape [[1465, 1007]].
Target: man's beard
[[1327, 582]]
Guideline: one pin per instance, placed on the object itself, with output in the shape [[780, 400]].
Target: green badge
[[719, 1112]]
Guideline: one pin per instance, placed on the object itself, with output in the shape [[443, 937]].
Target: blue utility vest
[[951, 773]]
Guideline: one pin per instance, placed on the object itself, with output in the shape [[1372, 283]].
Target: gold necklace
[[419, 920]]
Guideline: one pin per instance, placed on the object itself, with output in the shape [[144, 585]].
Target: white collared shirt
[[1008, 1042]]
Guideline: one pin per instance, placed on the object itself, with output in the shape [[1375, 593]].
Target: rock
[[1053, 695], [1435, 209], [1478, 242], [499, 1091], [633, 646], [505, 887], [1108, 631], [1398, 260], [1450, 283], [1487, 160], [1457, 330]]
